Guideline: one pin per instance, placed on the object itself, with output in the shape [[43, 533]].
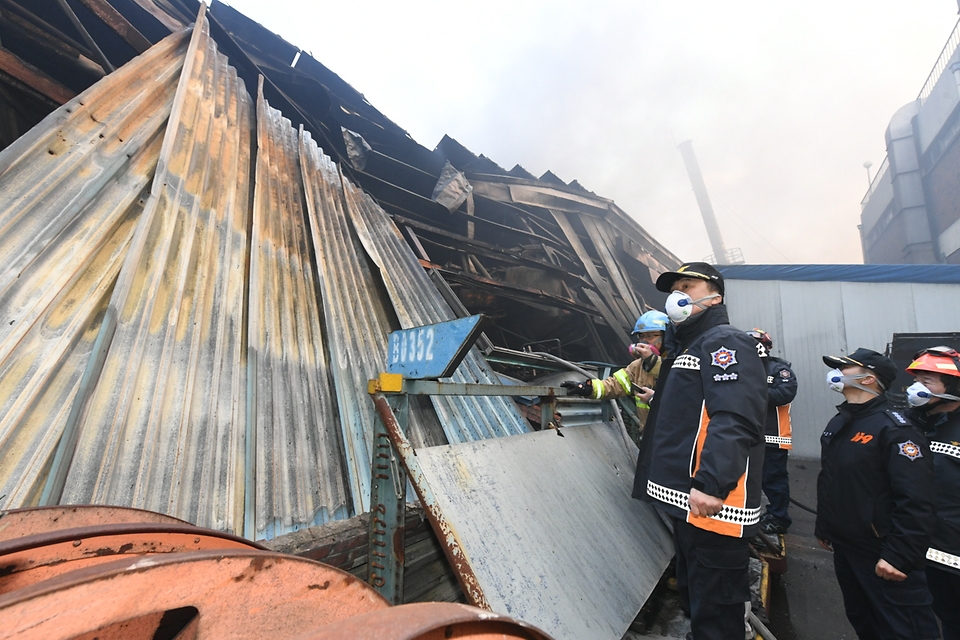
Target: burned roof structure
[[507, 244], [208, 237]]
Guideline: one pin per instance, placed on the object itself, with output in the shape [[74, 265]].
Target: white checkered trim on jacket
[[733, 515]]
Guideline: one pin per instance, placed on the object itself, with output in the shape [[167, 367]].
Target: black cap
[[880, 364], [700, 270]]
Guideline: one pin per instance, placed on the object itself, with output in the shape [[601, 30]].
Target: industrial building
[[911, 212]]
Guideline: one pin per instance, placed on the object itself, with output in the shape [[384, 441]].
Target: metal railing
[[876, 180], [945, 55]]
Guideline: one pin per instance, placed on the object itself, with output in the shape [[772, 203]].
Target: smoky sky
[[784, 102]]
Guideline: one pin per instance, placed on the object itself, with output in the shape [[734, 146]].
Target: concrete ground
[[805, 601]]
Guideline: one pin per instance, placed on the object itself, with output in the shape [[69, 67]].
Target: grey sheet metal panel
[[300, 477], [871, 325], [811, 319], [164, 427], [417, 302], [937, 307], [356, 318], [572, 553], [70, 195], [813, 325]]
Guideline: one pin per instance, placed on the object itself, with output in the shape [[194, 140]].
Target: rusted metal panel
[[163, 427], [300, 478], [237, 594], [15, 523], [70, 197], [573, 553], [417, 303]]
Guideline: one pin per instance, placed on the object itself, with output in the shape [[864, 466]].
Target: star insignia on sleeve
[[724, 358], [910, 450]]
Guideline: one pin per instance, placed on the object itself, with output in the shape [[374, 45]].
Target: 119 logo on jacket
[[724, 358]]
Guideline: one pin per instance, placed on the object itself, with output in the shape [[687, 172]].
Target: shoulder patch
[[910, 450], [724, 358], [898, 417], [687, 361], [785, 374]]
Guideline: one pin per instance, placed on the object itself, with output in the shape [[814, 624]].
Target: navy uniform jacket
[[875, 492], [781, 390], [705, 429], [943, 430]]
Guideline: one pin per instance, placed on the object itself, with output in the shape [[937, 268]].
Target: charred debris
[[558, 269]]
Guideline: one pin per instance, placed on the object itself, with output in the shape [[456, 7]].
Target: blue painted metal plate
[[432, 351]]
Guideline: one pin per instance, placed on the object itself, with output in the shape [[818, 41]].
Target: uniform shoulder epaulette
[[898, 417]]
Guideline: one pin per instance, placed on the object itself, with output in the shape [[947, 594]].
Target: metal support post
[[388, 492]]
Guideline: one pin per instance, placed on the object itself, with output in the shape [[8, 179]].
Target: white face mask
[[918, 395], [679, 305], [837, 381]]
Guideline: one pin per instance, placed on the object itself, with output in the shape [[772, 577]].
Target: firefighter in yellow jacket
[[637, 378]]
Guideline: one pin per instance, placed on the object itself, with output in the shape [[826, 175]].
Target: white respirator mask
[[836, 381], [918, 395], [679, 305]]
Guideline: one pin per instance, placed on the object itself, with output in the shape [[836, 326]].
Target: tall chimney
[[706, 209]]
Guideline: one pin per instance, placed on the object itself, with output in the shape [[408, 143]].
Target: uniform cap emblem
[[724, 358], [910, 450]]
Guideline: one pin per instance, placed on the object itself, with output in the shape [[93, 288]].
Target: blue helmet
[[651, 321]]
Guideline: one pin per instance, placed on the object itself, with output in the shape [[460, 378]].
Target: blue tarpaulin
[[924, 273]]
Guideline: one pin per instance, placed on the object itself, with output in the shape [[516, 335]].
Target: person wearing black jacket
[[935, 406], [702, 450], [875, 503], [778, 433]]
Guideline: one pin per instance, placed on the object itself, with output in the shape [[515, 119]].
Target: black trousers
[[882, 609], [776, 483], [713, 579], [945, 588]]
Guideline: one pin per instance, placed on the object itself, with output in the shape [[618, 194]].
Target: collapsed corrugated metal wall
[[506, 243], [191, 316]]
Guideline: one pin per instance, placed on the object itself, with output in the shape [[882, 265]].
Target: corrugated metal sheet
[[163, 428], [356, 318], [300, 474], [577, 556], [191, 315], [811, 319], [70, 197]]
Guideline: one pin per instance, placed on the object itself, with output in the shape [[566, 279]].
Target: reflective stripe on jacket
[[707, 427]]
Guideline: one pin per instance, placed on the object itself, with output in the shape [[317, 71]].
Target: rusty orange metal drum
[[428, 621], [202, 594], [30, 559], [15, 523]]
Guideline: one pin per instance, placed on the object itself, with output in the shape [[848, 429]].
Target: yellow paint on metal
[[391, 382]]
